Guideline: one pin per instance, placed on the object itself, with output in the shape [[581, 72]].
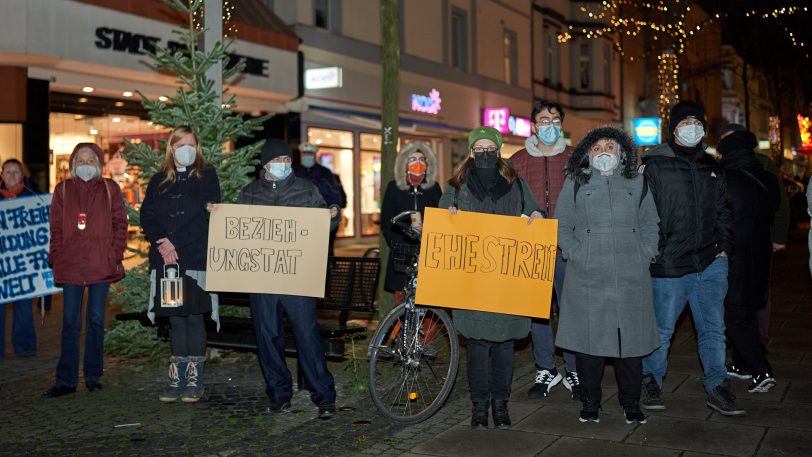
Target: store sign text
[[323, 78], [135, 43], [501, 120], [647, 131], [430, 104]]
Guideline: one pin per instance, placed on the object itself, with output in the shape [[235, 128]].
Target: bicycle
[[414, 353]]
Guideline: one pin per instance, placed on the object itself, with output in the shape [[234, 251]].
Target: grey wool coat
[[608, 232]]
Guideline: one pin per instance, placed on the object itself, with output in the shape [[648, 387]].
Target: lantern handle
[[177, 267]]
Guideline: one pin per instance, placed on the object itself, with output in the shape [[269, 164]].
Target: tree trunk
[[390, 65]]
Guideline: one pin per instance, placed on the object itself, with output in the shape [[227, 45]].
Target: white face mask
[[86, 172], [185, 155], [690, 135], [605, 162]]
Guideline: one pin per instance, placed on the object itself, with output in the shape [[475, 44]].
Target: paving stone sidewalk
[[125, 418]]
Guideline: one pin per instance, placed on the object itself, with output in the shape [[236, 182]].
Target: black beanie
[[274, 148], [681, 111]]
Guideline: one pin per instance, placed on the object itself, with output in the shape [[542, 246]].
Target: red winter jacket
[[92, 255], [545, 175]]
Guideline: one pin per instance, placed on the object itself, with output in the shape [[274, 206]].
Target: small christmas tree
[[194, 104]]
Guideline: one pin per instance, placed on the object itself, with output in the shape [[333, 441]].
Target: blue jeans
[[67, 370], [23, 337], [268, 311], [542, 333], [705, 293]]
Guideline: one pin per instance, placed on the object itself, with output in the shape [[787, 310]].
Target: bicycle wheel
[[412, 363]]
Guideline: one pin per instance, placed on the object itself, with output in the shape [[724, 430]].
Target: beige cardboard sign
[[268, 249]]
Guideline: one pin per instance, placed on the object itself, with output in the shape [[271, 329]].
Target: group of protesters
[[639, 237]]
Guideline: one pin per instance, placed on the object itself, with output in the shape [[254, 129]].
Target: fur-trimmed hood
[[578, 167], [401, 161]]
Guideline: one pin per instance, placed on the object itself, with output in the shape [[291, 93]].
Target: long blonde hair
[[169, 159]]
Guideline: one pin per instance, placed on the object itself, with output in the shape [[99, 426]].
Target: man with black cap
[[278, 186], [696, 238]]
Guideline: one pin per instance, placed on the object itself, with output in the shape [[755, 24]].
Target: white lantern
[[171, 287]]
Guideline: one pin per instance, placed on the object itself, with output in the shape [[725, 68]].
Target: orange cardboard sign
[[486, 262]]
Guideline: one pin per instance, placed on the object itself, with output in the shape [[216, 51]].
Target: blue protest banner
[[25, 236]]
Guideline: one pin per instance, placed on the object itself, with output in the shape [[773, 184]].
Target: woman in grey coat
[[608, 232]]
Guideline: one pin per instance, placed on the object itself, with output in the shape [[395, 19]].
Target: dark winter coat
[[325, 181], [608, 233], [781, 222], [401, 196], [92, 255], [755, 197], [177, 211], [696, 218], [478, 324], [291, 191]]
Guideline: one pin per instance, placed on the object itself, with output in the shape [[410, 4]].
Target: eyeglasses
[[484, 150], [416, 159], [546, 121]]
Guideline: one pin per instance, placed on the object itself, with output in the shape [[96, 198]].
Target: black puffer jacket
[[291, 191], [696, 217]]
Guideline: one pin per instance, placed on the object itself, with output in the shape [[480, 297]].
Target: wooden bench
[[351, 286]]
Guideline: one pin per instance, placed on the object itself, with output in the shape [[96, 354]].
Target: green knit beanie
[[484, 133]]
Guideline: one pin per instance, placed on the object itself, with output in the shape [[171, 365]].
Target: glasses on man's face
[[484, 150], [547, 121]]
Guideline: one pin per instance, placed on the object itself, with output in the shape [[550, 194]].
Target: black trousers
[[187, 335], [742, 331], [490, 369], [628, 373]]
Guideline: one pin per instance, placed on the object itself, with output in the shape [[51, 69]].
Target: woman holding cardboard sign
[[608, 232], [486, 183], [175, 219]]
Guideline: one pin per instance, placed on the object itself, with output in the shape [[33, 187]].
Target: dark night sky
[[765, 42]]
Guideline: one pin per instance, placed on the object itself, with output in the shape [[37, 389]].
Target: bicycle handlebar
[[407, 229]]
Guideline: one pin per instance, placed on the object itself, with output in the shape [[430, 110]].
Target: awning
[[373, 122]]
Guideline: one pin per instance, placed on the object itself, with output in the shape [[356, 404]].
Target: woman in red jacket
[[88, 237]]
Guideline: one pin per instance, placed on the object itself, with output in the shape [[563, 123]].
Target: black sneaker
[[327, 411], [93, 385], [545, 380], [58, 391], [738, 372], [279, 407], [761, 383], [572, 384], [722, 400], [650, 398], [590, 411], [633, 414]]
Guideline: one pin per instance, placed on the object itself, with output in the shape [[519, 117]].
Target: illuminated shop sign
[[323, 78], [647, 131], [134, 43], [501, 120], [430, 104]]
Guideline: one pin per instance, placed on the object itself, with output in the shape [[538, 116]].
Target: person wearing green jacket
[[486, 183]]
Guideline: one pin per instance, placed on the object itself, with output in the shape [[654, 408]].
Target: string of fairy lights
[[229, 26], [664, 21]]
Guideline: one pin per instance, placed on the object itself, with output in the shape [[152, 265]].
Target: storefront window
[[370, 175], [11, 142], [336, 153]]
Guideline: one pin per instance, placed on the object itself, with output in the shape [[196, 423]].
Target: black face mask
[[486, 159]]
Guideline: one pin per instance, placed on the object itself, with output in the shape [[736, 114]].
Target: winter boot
[[499, 410], [194, 379], [479, 415], [177, 379]]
